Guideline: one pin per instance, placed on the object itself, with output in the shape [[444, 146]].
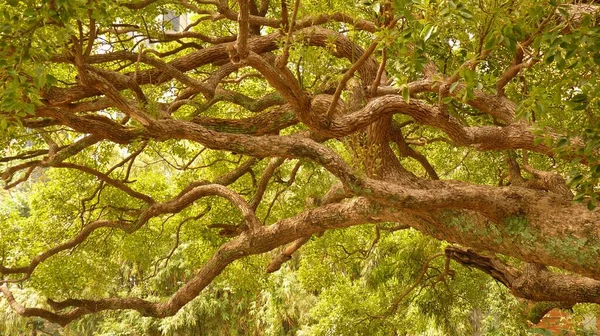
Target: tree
[[273, 123]]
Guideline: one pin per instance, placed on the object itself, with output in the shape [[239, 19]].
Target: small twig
[[167, 258], [350, 73], [380, 71], [282, 60]]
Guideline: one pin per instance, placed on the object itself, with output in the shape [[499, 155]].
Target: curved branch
[[264, 239], [104, 177], [183, 200], [264, 180], [215, 189], [532, 282], [80, 237]]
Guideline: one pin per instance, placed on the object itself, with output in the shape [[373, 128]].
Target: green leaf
[[576, 179], [539, 108], [591, 204], [51, 80], [469, 76], [447, 100], [563, 11], [465, 13], [40, 78], [491, 40], [560, 63], [561, 142], [579, 98], [453, 87], [29, 109], [427, 31], [570, 53], [586, 20], [405, 93], [538, 140], [556, 97]]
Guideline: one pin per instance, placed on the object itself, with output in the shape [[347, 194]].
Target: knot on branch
[[235, 55], [318, 117]]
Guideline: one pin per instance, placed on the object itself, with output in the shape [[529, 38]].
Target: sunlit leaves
[[343, 276], [428, 29]]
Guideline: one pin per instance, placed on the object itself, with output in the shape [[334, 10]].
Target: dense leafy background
[[338, 284]]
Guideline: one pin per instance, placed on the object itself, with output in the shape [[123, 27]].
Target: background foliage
[[342, 283]]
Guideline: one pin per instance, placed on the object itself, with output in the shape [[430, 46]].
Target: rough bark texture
[[534, 221]]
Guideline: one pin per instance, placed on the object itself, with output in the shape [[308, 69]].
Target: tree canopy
[[298, 167]]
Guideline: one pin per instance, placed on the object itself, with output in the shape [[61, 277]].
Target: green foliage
[[342, 283]]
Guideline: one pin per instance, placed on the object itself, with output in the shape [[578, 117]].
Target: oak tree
[[203, 132]]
